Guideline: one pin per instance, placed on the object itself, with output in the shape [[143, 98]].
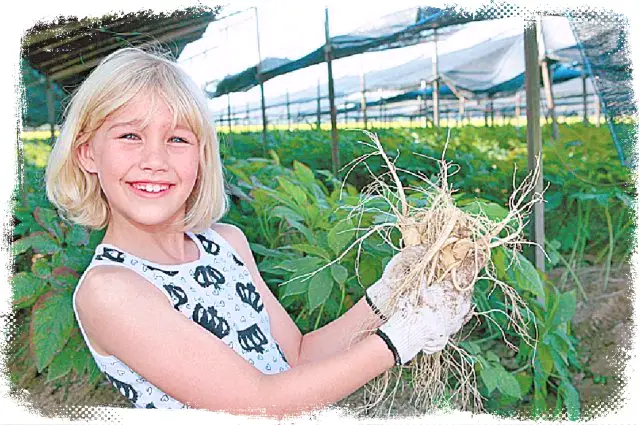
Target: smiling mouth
[[151, 188]]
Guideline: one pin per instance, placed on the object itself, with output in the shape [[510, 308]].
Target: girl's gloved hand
[[411, 329]]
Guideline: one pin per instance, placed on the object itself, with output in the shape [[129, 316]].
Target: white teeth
[[153, 188]]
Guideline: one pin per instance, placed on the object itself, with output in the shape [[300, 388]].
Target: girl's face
[[147, 173]]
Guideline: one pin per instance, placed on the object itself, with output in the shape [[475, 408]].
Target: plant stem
[[608, 264], [573, 275], [319, 316]]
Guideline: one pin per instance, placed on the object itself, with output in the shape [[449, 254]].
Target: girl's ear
[[85, 155]]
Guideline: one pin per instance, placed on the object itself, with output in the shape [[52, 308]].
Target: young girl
[[172, 306]]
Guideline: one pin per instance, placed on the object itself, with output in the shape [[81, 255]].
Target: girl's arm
[[320, 344], [131, 319]]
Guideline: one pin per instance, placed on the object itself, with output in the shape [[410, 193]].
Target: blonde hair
[[110, 86]]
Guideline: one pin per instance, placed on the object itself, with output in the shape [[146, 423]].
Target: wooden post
[[534, 134], [335, 154], [436, 81], [363, 104], [51, 111]]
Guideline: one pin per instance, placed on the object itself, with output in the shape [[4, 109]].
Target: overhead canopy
[[66, 51], [483, 59], [400, 29]]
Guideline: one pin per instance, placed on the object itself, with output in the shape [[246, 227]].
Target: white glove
[[378, 295], [412, 329]]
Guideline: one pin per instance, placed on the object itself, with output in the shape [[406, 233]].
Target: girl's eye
[[179, 139], [129, 136]]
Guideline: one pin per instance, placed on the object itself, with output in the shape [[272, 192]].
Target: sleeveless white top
[[215, 291]]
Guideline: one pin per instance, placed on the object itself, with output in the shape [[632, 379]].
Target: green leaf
[[295, 286], [566, 308], [95, 375], [320, 288], [64, 277], [571, 400], [81, 360], [41, 268], [492, 357], [525, 381], [298, 195], [508, 384], [286, 213], [40, 242], [266, 252], [339, 273], [546, 361], [340, 236], [493, 211], [304, 173], [51, 326], [489, 376], [312, 249], [304, 264], [26, 289], [74, 257], [62, 364], [49, 220], [77, 236], [527, 277]]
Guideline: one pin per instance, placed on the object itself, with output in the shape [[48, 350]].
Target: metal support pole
[[518, 112], [335, 154], [491, 111], [262, 100], [346, 114], [534, 135], [597, 105], [460, 111], [436, 81], [229, 122], [318, 111], [51, 110], [288, 112], [547, 79], [585, 116], [363, 104]]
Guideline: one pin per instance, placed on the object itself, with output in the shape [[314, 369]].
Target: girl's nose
[[154, 156]]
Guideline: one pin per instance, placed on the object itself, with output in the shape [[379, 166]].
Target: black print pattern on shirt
[[207, 276], [209, 246], [124, 388], [252, 338], [177, 294], [236, 260], [208, 318], [150, 406], [111, 254], [249, 295], [167, 272]]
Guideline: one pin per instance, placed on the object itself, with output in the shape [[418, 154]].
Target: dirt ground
[[603, 324]]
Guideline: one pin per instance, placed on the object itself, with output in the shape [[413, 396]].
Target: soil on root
[[602, 323]]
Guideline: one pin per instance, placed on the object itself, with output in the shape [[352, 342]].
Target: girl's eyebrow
[[124, 123], [137, 121]]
